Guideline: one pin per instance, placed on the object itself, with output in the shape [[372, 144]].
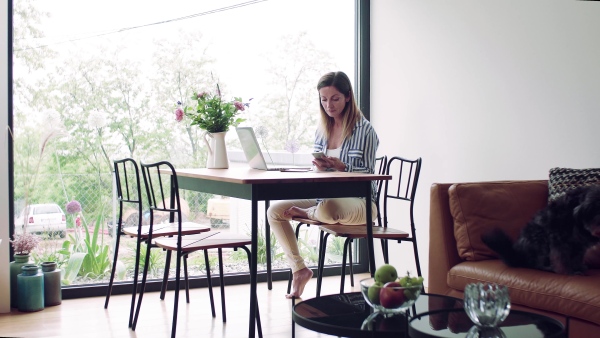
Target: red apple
[[391, 295]]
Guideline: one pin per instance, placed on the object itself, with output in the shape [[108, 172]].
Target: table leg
[[253, 269], [268, 247], [370, 249]]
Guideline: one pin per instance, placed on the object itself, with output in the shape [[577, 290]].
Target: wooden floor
[[86, 317]]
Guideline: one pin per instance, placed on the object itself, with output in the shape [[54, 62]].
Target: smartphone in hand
[[318, 154]]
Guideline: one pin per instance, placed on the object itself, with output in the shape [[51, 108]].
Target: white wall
[[4, 214], [484, 90]]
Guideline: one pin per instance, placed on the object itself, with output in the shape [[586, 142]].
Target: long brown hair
[[351, 113]]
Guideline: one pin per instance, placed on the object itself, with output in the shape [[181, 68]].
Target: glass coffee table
[[347, 315]]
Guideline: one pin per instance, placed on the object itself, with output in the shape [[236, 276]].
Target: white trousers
[[348, 211]]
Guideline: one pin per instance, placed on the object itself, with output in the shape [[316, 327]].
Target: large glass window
[[98, 81]]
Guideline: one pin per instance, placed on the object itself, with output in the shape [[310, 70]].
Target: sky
[[250, 26]]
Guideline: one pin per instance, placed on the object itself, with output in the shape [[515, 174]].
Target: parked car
[[42, 218]]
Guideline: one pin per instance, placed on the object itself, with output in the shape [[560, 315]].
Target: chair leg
[[143, 288], [222, 280], [187, 282], [322, 248], [163, 288], [136, 272], [176, 305], [416, 256], [384, 250], [343, 272], [209, 281], [114, 268], [350, 260]]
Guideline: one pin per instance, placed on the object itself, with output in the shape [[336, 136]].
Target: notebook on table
[[254, 155]]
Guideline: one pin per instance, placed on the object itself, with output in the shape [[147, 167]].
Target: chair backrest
[[380, 166], [128, 189], [403, 186], [162, 188]]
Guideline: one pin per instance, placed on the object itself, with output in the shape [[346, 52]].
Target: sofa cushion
[[573, 296], [478, 207], [561, 180]]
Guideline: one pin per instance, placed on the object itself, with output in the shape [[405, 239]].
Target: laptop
[[254, 155]]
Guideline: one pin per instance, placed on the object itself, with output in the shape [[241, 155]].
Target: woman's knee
[[341, 210], [276, 210], [330, 211]]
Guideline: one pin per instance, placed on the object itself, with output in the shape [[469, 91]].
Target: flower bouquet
[[215, 116], [211, 112]]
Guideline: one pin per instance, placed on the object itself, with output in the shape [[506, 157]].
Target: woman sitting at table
[[349, 143]]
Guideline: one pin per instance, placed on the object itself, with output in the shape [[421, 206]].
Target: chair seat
[[360, 231], [309, 221], [209, 240], [167, 229], [355, 231]]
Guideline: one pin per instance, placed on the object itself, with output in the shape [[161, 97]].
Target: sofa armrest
[[443, 254]]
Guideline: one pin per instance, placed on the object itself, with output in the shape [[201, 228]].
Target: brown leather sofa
[[461, 212]]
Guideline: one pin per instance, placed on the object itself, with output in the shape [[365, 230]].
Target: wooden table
[[260, 185]]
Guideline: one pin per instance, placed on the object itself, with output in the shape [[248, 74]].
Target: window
[[100, 81]]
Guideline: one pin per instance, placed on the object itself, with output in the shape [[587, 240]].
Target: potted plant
[[23, 244]]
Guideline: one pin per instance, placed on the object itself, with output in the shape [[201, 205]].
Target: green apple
[[373, 292], [386, 273]]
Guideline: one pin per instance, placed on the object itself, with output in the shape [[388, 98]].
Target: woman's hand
[[326, 162]]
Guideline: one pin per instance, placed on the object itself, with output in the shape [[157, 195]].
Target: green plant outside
[[157, 260], [96, 263]]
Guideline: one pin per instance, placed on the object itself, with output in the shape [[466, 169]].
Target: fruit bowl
[[390, 298]]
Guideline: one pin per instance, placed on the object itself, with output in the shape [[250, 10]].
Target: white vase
[[217, 152]]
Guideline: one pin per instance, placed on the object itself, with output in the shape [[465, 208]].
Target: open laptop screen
[[251, 148]]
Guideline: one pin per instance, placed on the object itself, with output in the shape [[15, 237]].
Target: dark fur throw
[[557, 237]]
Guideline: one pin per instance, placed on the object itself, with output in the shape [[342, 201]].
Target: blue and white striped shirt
[[358, 151]]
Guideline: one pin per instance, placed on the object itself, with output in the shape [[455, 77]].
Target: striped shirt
[[358, 151]]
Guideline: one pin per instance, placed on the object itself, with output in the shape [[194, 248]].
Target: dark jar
[[52, 284], [30, 287]]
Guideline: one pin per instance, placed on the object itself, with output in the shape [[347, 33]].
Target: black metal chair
[[381, 163], [182, 243], [129, 192], [127, 182], [402, 188]]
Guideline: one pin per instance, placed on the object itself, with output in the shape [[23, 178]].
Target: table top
[[454, 323], [254, 176], [430, 316], [348, 315]]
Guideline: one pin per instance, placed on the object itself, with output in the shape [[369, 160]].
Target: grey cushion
[[562, 180]]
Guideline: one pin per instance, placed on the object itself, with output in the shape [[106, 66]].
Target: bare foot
[[300, 278], [295, 212]]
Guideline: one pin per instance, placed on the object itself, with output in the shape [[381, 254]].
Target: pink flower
[[202, 94], [24, 243], [78, 221], [73, 207], [179, 114], [238, 105]]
